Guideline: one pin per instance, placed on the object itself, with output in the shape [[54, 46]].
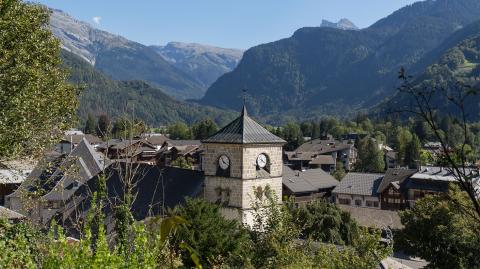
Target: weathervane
[[244, 95]]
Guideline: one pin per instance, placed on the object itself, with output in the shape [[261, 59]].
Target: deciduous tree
[[37, 104]]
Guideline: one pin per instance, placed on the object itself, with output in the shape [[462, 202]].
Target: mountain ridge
[[204, 62], [335, 72], [123, 59], [342, 24], [102, 95]]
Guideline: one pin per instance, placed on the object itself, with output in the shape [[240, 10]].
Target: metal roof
[[359, 184], [244, 130]]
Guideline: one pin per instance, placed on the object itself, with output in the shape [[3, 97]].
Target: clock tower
[[240, 162]]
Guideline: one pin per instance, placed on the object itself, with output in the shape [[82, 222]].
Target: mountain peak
[[342, 24]]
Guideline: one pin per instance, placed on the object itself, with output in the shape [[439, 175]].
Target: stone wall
[[244, 178], [250, 154]]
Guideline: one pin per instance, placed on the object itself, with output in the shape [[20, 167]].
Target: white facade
[[357, 200]]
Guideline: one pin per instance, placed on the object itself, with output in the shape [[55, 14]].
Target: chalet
[[305, 186], [359, 190], [157, 140], [71, 140], [398, 189], [134, 150], [172, 149], [310, 155], [390, 189], [9, 181], [54, 181], [391, 159]]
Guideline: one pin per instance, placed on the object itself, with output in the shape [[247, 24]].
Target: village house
[[323, 153], [71, 139], [156, 189], [397, 189], [308, 185], [133, 150], [54, 180], [10, 179], [191, 150], [157, 140], [358, 190]]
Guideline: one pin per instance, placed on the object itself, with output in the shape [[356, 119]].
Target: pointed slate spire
[[244, 130], [244, 110]]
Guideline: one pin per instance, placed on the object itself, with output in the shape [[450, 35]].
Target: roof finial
[[244, 109]]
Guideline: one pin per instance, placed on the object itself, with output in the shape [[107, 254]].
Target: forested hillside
[[451, 76], [122, 59], [101, 94], [322, 71]]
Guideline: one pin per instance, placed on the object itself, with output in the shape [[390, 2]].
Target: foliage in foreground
[[218, 241], [275, 238], [37, 104], [443, 231], [204, 239]]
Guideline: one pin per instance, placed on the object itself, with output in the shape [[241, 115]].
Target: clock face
[[224, 162], [262, 160]]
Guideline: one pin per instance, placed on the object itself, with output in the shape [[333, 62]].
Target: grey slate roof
[[181, 142], [244, 130], [156, 189], [372, 217], [157, 139], [310, 180], [395, 175], [323, 159], [82, 164], [77, 138], [359, 184], [10, 214], [319, 146]]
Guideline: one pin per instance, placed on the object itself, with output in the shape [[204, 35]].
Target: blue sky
[[233, 24]]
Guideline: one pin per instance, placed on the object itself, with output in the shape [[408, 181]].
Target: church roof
[[244, 130]]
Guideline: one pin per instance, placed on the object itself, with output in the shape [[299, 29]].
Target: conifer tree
[[90, 125]]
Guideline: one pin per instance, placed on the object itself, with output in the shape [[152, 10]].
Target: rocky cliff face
[[205, 63], [81, 38], [342, 24], [122, 59]]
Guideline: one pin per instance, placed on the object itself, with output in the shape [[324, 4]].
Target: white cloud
[[97, 19]]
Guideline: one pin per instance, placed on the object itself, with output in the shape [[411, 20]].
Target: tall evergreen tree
[[293, 135], [204, 129], [103, 125], [371, 158], [90, 127], [412, 153]]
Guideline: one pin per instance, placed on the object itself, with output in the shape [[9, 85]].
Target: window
[[375, 204], [223, 196], [369, 203], [358, 202], [344, 201]]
